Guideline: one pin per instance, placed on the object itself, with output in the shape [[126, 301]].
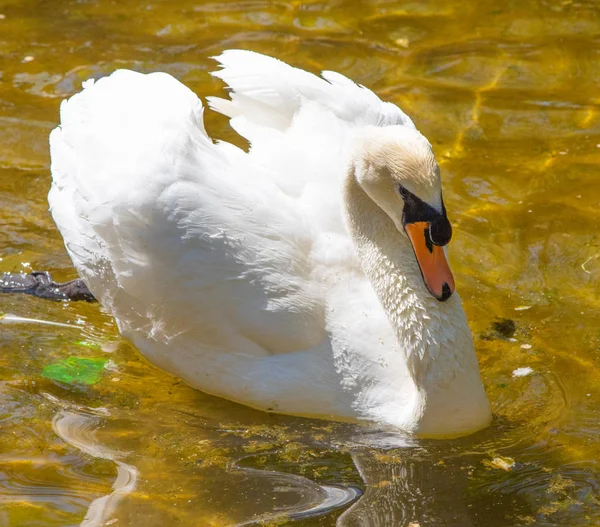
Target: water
[[507, 94]]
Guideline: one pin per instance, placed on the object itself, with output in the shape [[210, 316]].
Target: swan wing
[[177, 235], [301, 129], [300, 126], [270, 93]]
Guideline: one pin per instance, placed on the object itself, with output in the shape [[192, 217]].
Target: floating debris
[[500, 462], [526, 346], [522, 372], [28, 58], [76, 370], [593, 257], [504, 328], [522, 308], [109, 346], [111, 365]]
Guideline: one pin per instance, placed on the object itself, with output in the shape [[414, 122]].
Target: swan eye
[[403, 192]]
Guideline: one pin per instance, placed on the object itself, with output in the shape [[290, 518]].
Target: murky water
[[507, 93]]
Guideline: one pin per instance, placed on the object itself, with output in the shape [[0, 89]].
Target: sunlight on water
[[506, 92]]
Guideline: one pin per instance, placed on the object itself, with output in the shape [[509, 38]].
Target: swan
[[305, 276]]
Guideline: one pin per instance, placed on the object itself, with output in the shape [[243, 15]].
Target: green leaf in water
[[76, 370]]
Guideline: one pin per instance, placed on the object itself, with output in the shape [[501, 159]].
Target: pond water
[[506, 92]]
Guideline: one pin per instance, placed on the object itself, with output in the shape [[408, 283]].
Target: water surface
[[506, 92]]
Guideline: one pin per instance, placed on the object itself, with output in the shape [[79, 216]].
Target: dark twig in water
[[40, 284]]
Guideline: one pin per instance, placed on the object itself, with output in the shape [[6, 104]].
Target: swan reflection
[[406, 491]]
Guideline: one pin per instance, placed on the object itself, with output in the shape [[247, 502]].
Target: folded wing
[[174, 234]]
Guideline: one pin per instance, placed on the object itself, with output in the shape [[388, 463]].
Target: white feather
[[233, 270]]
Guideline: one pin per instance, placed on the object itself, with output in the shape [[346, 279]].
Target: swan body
[[282, 277]]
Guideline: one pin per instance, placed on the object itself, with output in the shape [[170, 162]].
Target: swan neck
[[387, 259], [434, 336]]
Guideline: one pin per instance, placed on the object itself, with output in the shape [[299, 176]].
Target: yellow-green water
[[507, 92]]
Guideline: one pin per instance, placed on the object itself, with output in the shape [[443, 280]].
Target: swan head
[[396, 167]]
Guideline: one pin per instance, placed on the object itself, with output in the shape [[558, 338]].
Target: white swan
[[283, 278]]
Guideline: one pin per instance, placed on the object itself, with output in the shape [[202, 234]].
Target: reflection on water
[[507, 94], [76, 428], [408, 491], [142, 447]]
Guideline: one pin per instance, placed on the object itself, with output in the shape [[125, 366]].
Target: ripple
[[78, 430], [8, 318], [311, 499], [24, 143]]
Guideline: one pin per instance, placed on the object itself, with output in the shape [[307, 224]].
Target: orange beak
[[432, 261]]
